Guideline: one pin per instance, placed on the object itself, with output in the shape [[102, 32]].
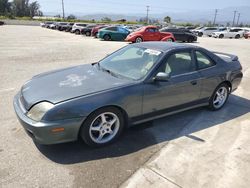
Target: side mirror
[[162, 77]]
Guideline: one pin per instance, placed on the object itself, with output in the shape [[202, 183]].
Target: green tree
[[5, 7], [167, 19], [20, 8], [34, 9], [71, 17], [106, 19]]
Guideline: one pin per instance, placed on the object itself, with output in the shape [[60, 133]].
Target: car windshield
[[130, 62]]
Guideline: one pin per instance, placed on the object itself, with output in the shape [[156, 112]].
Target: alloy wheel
[[138, 40], [220, 97], [104, 127]]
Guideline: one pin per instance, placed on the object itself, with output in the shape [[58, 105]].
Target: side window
[[112, 29], [121, 30], [203, 61], [151, 30], [179, 63]]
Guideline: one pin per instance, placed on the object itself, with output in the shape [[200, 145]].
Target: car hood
[[60, 85]]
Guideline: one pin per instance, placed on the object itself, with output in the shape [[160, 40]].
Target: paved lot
[[197, 148]]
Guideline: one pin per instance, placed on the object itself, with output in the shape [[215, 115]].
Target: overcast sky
[[136, 6]]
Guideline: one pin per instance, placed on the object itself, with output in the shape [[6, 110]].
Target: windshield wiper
[[111, 72]]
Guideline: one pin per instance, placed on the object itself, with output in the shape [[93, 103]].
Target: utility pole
[[63, 9], [238, 19], [215, 15], [234, 17], [147, 15]]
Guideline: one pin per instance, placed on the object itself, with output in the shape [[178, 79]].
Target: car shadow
[[149, 134]]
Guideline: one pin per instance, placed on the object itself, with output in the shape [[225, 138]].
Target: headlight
[[37, 112]]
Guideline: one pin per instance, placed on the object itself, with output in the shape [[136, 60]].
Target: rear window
[[203, 61]]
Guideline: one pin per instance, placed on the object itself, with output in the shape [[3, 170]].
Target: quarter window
[[203, 61], [179, 63]]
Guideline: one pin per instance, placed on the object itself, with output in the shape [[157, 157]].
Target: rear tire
[[87, 33], [221, 36], [107, 37], [237, 36], [219, 97], [190, 40], [102, 127], [170, 40], [77, 32]]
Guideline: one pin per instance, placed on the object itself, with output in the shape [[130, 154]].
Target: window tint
[[203, 61], [112, 28], [122, 30], [82, 25], [152, 30], [179, 63], [210, 29], [132, 62]]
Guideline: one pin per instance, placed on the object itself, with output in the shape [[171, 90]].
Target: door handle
[[194, 82]]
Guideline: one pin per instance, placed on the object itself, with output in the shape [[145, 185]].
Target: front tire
[[200, 34], [219, 97], [107, 37], [103, 127], [138, 40]]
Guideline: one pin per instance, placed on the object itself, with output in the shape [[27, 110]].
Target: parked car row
[[113, 32], [221, 32], [134, 34]]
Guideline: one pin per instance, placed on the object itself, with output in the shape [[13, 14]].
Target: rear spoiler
[[226, 56]]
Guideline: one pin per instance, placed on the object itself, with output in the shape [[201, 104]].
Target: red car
[[95, 30], [247, 35], [149, 33]]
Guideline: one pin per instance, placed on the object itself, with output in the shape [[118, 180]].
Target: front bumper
[[41, 132]]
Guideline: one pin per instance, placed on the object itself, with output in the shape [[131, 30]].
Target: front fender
[[132, 39], [128, 98], [167, 38]]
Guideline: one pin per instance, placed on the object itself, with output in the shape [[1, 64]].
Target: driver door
[[181, 90]]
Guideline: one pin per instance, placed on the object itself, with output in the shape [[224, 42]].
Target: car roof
[[164, 46]]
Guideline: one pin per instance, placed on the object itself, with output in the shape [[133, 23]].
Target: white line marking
[[7, 90]]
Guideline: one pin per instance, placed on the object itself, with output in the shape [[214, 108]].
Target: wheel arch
[[138, 36], [229, 84], [168, 37], [124, 113], [107, 34]]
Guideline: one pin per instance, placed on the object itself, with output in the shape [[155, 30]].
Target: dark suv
[[87, 30], [183, 35]]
